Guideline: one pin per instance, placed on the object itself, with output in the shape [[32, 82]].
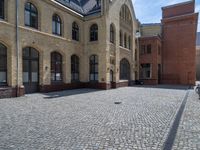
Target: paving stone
[[89, 119]]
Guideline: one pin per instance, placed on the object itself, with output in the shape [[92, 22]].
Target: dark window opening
[[120, 39], [94, 68], [112, 34], [31, 16], [94, 32], [74, 68], [56, 25], [75, 31], [124, 69], [145, 71], [56, 67]]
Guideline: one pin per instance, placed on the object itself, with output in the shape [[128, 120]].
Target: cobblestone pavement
[[188, 135], [89, 119]]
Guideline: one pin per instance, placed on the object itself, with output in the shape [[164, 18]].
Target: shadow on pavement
[[65, 93]]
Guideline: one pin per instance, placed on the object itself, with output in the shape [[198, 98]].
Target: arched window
[[125, 41], [3, 65], [56, 67], [75, 31], [2, 9], [94, 32], [120, 38], [125, 14], [129, 42], [31, 15], [74, 68], [94, 68], [112, 34], [56, 25], [124, 69]]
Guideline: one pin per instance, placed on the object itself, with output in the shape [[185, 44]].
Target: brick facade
[[179, 36], [178, 52], [153, 58]]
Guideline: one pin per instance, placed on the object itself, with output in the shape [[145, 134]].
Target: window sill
[[124, 48], [93, 42]]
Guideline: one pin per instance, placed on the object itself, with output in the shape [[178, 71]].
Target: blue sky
[[149, 11]]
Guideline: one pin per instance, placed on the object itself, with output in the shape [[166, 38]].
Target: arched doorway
[[31, 70], [124, 69]]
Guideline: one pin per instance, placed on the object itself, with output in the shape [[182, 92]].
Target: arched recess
[[124, 69]]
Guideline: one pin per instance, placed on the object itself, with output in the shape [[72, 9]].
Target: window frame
[[58, 22], [120, 38], [54, 62], [112, 34], [31, 14], [125, 69], [93, 32], [94, 62], [75, 31], [75, 66], [125, 41], [144, 70]]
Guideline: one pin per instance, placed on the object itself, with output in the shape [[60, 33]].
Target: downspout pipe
[[17, 47]]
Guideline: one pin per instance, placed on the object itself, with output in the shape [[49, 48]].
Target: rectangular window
[[149, 49], [145, 72], [2, 9]]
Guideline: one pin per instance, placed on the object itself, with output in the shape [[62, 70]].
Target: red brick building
[[176, 63]]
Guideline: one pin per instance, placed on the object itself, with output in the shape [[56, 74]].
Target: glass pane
[[27, 18], [34, 53], [25, 71], [58, 76], [25, 77], [3, 64], [34, 71], [34, 76], [33, 8], [25, 66], [91, 76], [26, 52], [53, 76], [2, 77], [58, 29], [34, 21], [96, 77], [53, 27], [96, 68]]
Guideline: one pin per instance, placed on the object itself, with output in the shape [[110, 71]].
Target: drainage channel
[[173, 131]]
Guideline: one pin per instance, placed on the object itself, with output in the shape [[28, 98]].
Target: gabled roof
[[198, 39], [84, 7]]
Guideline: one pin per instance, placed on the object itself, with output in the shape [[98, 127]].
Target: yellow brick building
[[48, 45]]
